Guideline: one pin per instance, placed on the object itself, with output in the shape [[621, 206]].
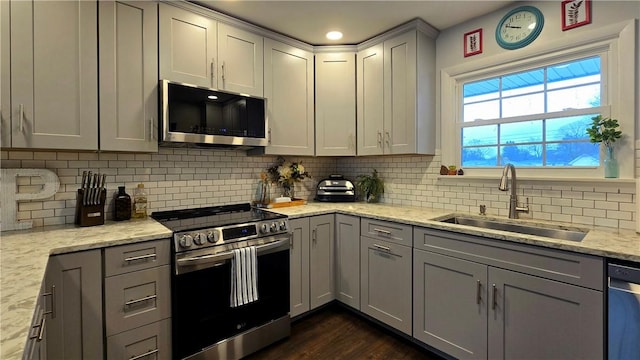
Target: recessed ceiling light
[[212, 97], [334, 35]]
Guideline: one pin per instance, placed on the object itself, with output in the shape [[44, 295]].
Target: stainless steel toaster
[[335, 189]]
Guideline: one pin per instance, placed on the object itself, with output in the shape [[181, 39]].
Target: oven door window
[[202, 315]]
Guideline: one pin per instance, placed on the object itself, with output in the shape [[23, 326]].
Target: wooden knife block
[[90, 215]]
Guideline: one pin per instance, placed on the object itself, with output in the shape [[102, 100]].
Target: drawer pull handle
[[51, 293], [385, 248], [383, 232], [150, 352], [478, 297], [146, 298], [495, 294], [141, 257]]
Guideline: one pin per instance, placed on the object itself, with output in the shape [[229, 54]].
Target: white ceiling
[[309, 21]]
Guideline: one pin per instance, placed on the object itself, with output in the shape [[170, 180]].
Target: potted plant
[[604, 130], [371, 186]]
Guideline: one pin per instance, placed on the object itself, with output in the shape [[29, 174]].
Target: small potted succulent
[[605, 131], [370, 186]]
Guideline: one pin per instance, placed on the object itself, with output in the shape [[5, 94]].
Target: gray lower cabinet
[[299, 267], [477, 298], [347, 262], [73, 288], [386, 282], [151, 341], [321, 255], [311, 263]]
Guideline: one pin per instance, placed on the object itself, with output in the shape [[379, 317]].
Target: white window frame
[[616, 46]]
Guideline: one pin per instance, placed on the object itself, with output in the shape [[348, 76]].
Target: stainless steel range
[[212, 264]]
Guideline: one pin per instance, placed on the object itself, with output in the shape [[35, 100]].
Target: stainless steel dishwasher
[[624, 311]]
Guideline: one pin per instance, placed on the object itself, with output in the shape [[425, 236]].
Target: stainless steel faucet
[[514, 209]]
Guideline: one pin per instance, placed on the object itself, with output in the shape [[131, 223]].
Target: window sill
[[537, 179]]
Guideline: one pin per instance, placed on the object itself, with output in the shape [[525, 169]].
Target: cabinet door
[[240, 60], [370, 100], [536, 318], [151, 341], [54, 74], [386, 282], [128, 75], [347, 264], [321, 280], [288, 87], [5, 76], [335, 104], [36, 346], [187, 50], [450, 304], [299, 264], [400, 94], [74, 329]]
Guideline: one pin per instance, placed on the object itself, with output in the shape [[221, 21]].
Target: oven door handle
[[220, 258]]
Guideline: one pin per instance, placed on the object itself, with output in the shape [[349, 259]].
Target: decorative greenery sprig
[[603, 130], [370, 185]]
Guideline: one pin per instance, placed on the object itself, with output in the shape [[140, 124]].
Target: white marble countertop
[[23, 260], [24, 254]]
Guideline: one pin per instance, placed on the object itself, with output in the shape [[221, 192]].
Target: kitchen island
[[24, 254]]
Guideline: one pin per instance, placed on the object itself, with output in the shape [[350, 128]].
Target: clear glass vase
[[288, 189], [610, 163]]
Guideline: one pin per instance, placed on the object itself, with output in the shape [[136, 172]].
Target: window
[[533, 118]]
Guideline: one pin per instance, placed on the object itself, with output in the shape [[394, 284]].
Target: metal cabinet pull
[[478, 297], [21, 116], [379, 139], [141, 257], [146, 298], [213, 70], [494, 303], [313, 235], [385, 248], [151, 137], [388, 139], [40, 328], [383, 232], [222, 75], [51, 293], [269, 136], [150, 352]]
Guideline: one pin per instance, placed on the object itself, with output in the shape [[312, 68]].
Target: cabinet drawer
[[136, 299], [139, 256], [564, 266], [387, 231], [151, 341]]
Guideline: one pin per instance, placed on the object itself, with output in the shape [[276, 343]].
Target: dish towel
[[244, 276]]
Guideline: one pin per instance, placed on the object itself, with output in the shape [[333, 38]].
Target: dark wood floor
[[336, 333]]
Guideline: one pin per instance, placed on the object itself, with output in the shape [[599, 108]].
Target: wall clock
[[519, 27]]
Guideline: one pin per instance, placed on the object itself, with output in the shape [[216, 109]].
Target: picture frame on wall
[[575, 13], [473, 42]]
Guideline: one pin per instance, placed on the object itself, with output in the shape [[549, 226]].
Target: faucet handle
[[524, 209]]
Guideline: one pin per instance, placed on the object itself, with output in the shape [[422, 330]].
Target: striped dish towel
[[244, 276]]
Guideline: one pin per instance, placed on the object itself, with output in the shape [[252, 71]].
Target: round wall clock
[[519, 27]]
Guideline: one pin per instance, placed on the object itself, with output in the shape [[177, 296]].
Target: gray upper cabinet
[[299, 266], [407, 78], [335, 104], [240, 60], [54, 75], [321, 255], [128, 38], [347, 262], [386, 286], [288, 87], [188, 46], [73, 283]]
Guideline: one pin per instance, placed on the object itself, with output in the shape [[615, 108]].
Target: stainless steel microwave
[[199, 115]]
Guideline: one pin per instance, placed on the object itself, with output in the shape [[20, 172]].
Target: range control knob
[[274, 227], [185, 241], [264, 228], [211, 237], [199, 239], [283, 226]]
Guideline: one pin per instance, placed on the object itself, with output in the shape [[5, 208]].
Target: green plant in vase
[[604, 130], [372, 186]]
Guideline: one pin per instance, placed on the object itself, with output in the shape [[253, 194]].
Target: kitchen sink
[[529, 229]]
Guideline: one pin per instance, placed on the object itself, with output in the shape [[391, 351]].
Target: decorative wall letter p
[[11, 196]]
